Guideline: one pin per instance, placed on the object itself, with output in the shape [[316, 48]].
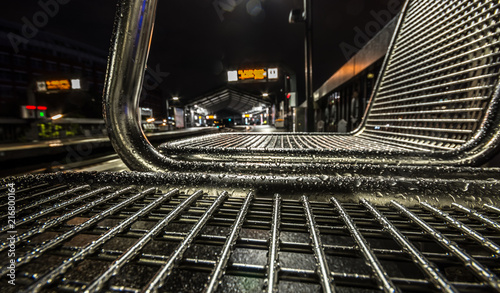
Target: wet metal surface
[[225, 239]]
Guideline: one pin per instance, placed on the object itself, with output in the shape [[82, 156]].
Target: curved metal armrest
[[126, 68]]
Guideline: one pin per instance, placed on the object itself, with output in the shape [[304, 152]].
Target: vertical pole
[[168, 116], [309, 66]]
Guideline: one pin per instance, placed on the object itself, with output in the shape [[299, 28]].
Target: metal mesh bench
[[300, 226], [143, 232], [436, 101]]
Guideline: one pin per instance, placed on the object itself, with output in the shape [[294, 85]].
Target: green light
[[42, 114]]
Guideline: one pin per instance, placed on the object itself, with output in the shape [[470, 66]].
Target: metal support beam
[[309, 65]]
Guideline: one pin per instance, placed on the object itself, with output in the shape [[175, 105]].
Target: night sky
[[196, 41]]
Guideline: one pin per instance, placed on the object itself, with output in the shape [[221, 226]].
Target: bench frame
[[126, 68]]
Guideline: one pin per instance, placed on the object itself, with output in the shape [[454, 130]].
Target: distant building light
[[58, 116], [370, 75], [150, 120], [232, 75], [146, 112], [265, 95], [75, 84], [175, 98]]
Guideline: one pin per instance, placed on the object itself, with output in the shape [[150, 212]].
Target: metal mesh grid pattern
[[441, 74], [128, 239], [254, 142]]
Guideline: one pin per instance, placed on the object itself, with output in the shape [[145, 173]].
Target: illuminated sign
[[179, 117], [211, 117], [292, 99], [58, 85], [258, 74], [75, 84], [272, 73], [232, 75], [246, 115]]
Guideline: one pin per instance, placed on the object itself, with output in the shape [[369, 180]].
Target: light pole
[[305, 16]]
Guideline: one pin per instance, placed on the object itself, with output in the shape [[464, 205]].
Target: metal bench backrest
[[435, 101], [440, 76]]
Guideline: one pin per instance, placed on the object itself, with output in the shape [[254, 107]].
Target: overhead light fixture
[[150, 120], [265, 95], [58, 116], [175, 98]]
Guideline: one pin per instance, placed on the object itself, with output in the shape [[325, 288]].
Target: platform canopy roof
[[229, 100]]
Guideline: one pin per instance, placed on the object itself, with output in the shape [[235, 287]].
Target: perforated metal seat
[[436, 101]]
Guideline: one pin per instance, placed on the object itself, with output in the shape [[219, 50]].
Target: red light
[[288, 96], [43, 108], [31, 107]]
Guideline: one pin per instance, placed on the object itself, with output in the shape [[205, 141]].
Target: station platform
[[84, 145]]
